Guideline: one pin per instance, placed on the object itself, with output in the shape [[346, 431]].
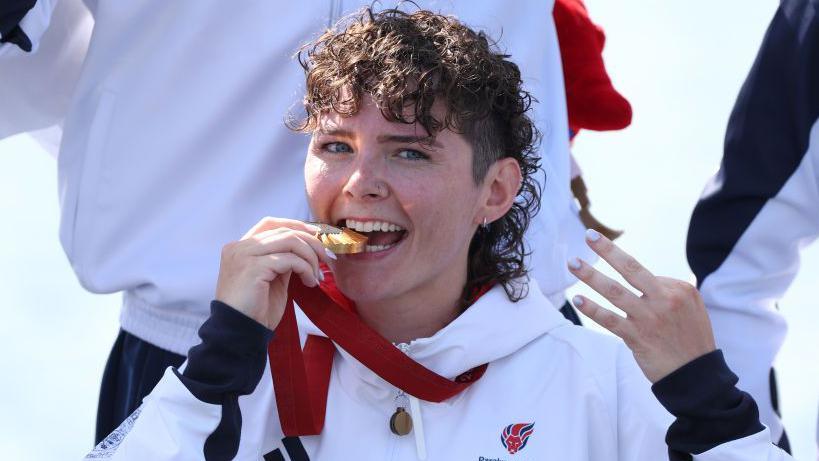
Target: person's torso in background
[[175, 142]]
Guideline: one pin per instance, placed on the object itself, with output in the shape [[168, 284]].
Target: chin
[[361, 287]]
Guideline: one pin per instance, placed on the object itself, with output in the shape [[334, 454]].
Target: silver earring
[[484, 225]]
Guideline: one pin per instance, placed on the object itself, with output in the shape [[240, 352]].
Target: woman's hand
[[255, 271], [665, 328]]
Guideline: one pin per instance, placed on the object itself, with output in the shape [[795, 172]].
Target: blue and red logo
[[515, 436]]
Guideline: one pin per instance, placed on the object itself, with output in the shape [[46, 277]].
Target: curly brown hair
[[411, 60]]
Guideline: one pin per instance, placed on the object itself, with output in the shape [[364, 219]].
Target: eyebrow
[[336, 132], [407, 139], [425, 140]]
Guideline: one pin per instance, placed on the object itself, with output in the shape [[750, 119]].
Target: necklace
[[403, 422]]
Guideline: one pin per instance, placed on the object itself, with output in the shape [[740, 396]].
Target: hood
[[492, 328]]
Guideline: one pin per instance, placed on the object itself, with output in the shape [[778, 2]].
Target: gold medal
[[401, 422], [340, 240]]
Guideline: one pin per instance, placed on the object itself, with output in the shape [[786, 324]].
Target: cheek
[[321, 187], [445, 212]]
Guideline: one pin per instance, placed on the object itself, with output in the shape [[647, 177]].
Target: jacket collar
[[492, 328]]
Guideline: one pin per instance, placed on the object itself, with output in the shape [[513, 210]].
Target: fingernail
[[577, 301], [320, 275], [592, 235], [574, 263], [330, 254]]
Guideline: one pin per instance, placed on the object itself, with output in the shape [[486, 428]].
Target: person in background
[[172, 142], [762, 207], [592, 102]]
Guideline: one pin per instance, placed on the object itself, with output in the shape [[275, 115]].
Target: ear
[[500, 188]]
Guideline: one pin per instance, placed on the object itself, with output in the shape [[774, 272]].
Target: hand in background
[[665, 328]]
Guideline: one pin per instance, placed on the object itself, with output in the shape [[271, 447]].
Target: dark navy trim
[[223, 443], [229, 362], [766, 138], [570, 314], [11, 13], [709, 408], [295, 450], [275, 455], [774, 392], [783, 443]]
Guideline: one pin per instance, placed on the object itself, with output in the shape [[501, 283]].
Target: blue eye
[[337, 148], [410, 154]]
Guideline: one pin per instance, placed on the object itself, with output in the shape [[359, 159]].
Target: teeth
[[372, 226], [372, 248]]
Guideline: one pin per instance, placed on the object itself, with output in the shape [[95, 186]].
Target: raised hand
[[665, 327], [255, 271]]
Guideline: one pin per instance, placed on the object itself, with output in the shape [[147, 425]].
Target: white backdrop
[[680, 64]]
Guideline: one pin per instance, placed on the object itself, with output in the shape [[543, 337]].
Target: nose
[[367, 179]]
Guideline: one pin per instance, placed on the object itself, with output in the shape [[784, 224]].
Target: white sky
[[679, 63]]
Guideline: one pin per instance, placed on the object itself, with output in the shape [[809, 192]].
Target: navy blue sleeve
[[230, 359], [229, 362], [11, 13], [766, 138], [709, 408]]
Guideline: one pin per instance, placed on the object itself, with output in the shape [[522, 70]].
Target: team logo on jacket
[[515, 436]]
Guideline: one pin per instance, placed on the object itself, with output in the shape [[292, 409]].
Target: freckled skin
[[356, 172]]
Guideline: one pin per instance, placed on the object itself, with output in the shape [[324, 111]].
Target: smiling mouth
[[381, 235]]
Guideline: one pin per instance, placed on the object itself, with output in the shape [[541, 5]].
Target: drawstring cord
[[415, 412], [418, 428]]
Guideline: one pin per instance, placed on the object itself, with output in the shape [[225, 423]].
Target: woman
[[420, 140]]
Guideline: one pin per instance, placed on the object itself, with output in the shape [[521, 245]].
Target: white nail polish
[[575, 263], [330, 254], [320, 275], [592, 235], [577, 301]]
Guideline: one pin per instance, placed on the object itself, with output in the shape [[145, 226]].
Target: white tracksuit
[[582, 390], [174, 143]]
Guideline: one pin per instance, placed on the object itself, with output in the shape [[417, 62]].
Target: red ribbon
[[302, 377]]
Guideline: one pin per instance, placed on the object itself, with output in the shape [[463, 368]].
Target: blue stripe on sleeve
[[766, 138], [229, 362]]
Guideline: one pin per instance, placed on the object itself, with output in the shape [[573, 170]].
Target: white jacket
[[173, 140], [582, 391]]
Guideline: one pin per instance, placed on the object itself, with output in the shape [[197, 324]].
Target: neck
[[419, 313]]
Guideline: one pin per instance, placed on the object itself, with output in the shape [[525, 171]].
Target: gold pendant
[[401, 422]]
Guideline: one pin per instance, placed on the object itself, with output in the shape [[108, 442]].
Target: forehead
[[369, 116], [370, 119]]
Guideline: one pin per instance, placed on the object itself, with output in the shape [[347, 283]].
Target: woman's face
[[367, 173]]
